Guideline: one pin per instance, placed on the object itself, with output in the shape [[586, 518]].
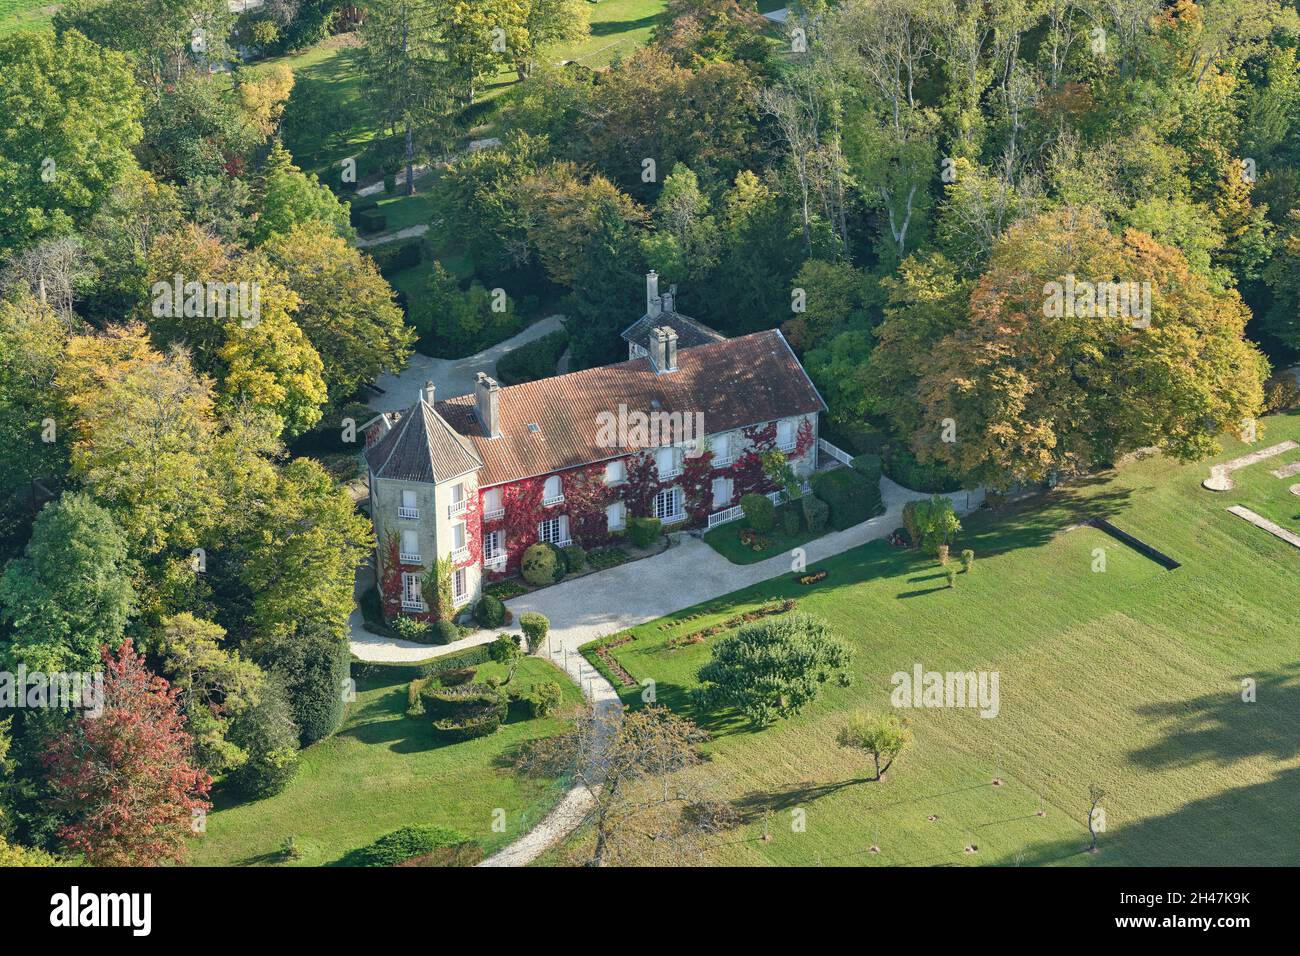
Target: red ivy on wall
[[390, 581], [472, 516]]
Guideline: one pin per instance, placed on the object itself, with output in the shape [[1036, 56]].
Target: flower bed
[[505, 590], [697, 637], [614, 668], [603, 559], [812, 578], [754, 541]]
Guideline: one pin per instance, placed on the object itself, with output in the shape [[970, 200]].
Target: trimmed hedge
[[532, 361], [394, 257], [393, 849], [643, 531], [815, 513], [851, 498], [760, 513], [901, 466], [574, 558]]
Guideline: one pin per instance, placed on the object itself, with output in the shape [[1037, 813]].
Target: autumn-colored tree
[[345, 307], [126, 775], [142, 425], [1014, 387]]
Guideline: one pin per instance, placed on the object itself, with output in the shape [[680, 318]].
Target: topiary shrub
[[943, 555], [815, 513], [464, 712], [951, 574], [790, 522], [644, 531], [575, 558], [851, 497], [397, 847], [535, 627], [489, 611], [457, 676], [445, 632], [967, 560], [539, 565], [759, 512], [545, 698]]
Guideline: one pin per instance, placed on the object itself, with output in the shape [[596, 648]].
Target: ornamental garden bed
[[740, 544]]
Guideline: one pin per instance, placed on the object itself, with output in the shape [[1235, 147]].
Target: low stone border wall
[[1138, 545]]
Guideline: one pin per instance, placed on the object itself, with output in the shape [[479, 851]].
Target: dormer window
[[552, 491]]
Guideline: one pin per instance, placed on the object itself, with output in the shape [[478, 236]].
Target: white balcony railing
[[790, 445], [409, 605], [557, 500], [671, 473], [456, 507], [495, 563], [494, 514], [409, 557], [403, 512], [459, 555], [722, 462], [673, 519]]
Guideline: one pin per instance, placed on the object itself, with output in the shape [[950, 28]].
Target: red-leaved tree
[[126, 775]]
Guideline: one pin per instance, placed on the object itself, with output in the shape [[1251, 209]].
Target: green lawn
[[725, 539], [1262, 492], [1130, 678], [383, 770], [25, 14]]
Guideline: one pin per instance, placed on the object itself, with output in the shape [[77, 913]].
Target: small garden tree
[[882, 737], [505, 650], [770, 669], [759, 511], [936, 523]]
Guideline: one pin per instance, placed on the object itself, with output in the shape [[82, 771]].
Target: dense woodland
[[893, 183]]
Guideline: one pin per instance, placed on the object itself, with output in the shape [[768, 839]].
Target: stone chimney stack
[[669, 299], [487, 398], [663, 349], [653, 304], [428, 394]]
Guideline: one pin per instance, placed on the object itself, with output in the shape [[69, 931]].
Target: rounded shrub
[[405, 844], [545, 698], [816, 513], [759, 512], [445, 632], [489, 611], [539, 565], [790, 522]]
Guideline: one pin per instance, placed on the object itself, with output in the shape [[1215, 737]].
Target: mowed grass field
[[1129, 677], [25, 14], [384, 770]]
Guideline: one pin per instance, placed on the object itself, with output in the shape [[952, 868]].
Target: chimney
[[428, 394], [670, 299], [653, 304], [663, 349], [487, 398]]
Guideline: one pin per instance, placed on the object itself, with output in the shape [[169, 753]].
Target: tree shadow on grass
[[1223, 728], [920, 592], [613, 27], [753, 805]]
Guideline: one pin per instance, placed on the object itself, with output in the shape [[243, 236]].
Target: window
[[616, 516], [494, 548], [667, 461], [785, 435], [721, 450], [721, 492], [493, 505], [459, 591], [459, 552], [412, 600], [409, 508], [554, 530], [457, 500], [615, 471], [552, 491], [410, 550], [668, 505]]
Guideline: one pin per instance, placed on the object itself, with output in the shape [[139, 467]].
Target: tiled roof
[[690, 333], [422, 447], [734, 383]]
